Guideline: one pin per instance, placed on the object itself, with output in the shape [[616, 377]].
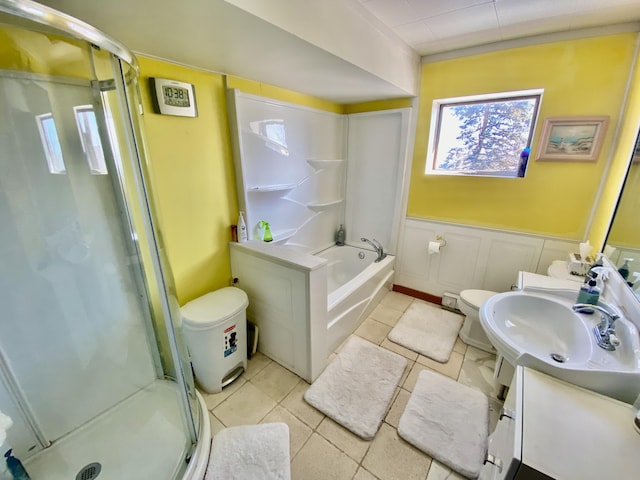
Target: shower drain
[[89, 472]]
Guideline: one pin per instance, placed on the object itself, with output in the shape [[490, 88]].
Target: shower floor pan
[[141, 438]]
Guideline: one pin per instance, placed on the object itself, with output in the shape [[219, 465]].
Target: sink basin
[[541, 330], [540, 326]]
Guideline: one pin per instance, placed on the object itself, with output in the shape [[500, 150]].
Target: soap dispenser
[[624, 269], [15, 467], [589, 293]]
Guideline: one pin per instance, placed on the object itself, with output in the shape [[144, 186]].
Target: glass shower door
[[90, 366]]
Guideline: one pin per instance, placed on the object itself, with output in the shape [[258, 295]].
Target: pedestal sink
[[540, 330]]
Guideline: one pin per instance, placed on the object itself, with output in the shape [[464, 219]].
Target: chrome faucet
[[604, 332], [376, 246]]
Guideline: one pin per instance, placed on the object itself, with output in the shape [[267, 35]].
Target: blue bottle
[[522, 164], [15, 467]]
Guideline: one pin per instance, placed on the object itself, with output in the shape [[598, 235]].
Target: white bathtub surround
[[308, 171], [427, 329], [448, 421], [306, 305], [357, 387]]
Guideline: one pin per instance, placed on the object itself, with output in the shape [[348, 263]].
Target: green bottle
[[267, 237]]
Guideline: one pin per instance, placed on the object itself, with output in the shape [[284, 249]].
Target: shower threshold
[[143, 438]]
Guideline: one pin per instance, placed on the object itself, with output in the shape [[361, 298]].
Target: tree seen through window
[[483, 137]]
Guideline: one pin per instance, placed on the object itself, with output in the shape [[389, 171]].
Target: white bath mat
[[428, 330], [250, 452], [357, 387], [448, 421]]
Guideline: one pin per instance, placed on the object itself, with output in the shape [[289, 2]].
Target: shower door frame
[[121, 56]]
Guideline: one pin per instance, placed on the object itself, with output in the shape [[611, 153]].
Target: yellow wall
[[579, 77], [378, 105], [277, 93], [192, 172], [37, 52]]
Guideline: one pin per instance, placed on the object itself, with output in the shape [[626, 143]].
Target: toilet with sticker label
[[215, 332]]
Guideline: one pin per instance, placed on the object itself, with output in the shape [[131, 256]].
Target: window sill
[[490, 174]]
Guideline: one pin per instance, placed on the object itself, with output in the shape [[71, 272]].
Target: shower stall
[[93, 371]]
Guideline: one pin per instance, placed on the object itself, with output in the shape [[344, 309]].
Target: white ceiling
[[346, 51], [436, 26]]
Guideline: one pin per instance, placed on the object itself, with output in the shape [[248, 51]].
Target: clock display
[[175, 96], [172, 97]]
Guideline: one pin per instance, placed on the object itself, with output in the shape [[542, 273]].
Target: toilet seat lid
[[475, 298]]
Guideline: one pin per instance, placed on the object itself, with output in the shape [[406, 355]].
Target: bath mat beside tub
[[429, 330], [448, 421], [357, 387]]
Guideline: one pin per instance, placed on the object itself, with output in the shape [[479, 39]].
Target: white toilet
[[472, 332]]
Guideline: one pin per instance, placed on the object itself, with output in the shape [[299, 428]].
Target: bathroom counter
[[552, 429], [560, 269]]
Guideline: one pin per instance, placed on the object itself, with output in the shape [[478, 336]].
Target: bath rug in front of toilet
[[357, 387], [428, 330], [448, 421]]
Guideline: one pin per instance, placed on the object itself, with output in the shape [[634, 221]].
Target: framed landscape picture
[[574, 139]]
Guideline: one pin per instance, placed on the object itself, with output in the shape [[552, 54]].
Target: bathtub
[[306, 305], [355, 285]]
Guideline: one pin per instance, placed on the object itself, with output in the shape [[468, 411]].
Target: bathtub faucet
[[377, 247]]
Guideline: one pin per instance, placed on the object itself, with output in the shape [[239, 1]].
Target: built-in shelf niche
[[290, 169], [324, 206], [271, 188]]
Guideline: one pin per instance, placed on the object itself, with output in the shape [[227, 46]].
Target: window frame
[[436, 125]]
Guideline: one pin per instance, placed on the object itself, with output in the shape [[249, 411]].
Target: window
[[483, 134], [51, 143], [90, 138], [273, 131]]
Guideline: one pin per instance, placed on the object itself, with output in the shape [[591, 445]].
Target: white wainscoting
[[473, 257]]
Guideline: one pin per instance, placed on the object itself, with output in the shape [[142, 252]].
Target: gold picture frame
[[572, 139]]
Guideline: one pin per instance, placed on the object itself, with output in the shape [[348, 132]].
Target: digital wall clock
[[171, 97]]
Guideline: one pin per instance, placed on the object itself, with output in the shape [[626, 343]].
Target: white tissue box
[[579, 265]]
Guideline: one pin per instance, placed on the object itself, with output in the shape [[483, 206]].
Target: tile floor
[[322, 449]]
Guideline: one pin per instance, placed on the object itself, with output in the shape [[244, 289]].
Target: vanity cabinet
[[550, 429]]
